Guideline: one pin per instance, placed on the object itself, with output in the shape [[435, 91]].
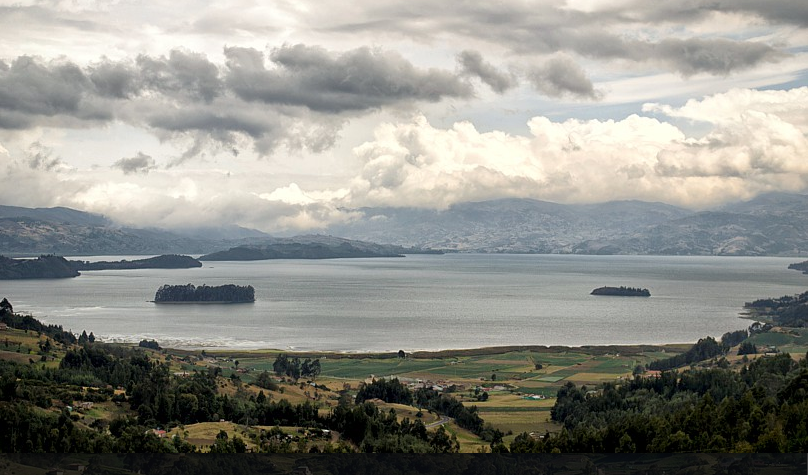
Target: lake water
[[419, 301]]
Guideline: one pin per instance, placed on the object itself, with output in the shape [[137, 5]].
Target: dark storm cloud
[[140, 163], [794, 12], [527, 29], [714, 56], [300, 101], [211, 119], [29, 88], [182, 73], [115, 80], [561, 76], [357, 80], [472, 63]]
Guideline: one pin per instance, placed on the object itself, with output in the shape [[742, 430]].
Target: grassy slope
[[515, 370]]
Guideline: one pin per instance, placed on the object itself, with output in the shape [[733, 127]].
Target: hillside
[[64, 231], [772, 224], [172, 261], [306, 247]]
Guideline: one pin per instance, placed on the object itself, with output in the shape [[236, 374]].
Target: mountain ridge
[[770, 224]]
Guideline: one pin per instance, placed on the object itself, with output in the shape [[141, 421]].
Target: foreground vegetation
[[65, 393]]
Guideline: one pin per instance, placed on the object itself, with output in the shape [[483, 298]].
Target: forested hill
[[43, 267], [308, 247], [762, 408], [171, 261], [57, 267]]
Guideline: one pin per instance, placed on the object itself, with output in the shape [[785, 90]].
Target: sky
[[290, 116]]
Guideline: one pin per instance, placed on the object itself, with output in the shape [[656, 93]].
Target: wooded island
[[622, 291], [190, 293]]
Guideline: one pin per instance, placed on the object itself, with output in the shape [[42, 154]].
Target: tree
[[5, 307], [310, 368], [264, 380], [401, 354], [747, 348]]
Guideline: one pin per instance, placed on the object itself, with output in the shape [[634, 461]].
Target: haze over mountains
[[771, 224]]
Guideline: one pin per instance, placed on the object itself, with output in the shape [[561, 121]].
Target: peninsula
[[57, 267], [621, 291], [166, 261], [303, 250], [190, 293], [800, 266], [43, 267]]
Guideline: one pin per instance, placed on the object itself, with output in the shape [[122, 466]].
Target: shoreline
[[605, 349]]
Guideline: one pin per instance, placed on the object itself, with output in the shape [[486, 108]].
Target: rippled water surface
[[419, 301]]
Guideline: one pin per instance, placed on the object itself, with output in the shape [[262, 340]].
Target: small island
[[190, 293], [621, 291]]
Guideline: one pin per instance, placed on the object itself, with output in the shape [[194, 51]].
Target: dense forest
[[762, 408], [212, 294]]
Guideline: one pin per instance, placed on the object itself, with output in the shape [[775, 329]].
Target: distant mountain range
[[771, 224], [65, 231]]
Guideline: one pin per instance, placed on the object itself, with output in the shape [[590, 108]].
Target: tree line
[[294, 368], [762, 408]]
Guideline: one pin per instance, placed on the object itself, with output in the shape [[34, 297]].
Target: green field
[[791, 340]]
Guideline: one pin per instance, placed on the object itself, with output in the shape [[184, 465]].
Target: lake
[[418, 302]]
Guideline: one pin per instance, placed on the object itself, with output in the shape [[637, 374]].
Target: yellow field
[[512, 400], [204, 433], [518, 422], [17, 357], [587, 378]]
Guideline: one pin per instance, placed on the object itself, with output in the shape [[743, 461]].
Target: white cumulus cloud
[[756, 142]]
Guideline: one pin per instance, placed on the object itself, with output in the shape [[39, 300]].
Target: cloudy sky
[[285, 116]]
